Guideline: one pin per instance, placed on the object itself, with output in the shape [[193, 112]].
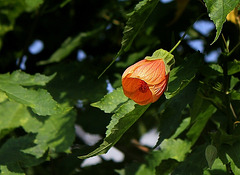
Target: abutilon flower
[[145, 81]]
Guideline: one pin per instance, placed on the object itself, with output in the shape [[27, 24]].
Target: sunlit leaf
[[111, 101], [124, 122], [218, 11], [21, 78], [57, 133], [39, 100]]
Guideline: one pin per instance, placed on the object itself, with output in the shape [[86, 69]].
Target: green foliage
[[55, 112], [218, 11]]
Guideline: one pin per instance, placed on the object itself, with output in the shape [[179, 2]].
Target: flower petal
[[152, 72], [132, 89]]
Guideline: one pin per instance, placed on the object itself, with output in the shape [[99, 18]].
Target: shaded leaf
[[218, 11], [172, 116], [57, 133], [12, 151], [200, 114], [69, 45], [182, 75], [193, 164], [136, 19]]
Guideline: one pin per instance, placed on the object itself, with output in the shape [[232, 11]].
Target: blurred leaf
[[233, 67], [31, 5], [231, 153], [111, 101], [182, 75], [200, 114], [136, 19], [11, 169], [69, 45], [210, 154], [170, 149], [172, 116], [193, 164], [183, 126], [181, 6], [218, 11], [235, 95], [218, 168], [125, 121], [40, 101]]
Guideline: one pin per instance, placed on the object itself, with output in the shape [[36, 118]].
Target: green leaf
[[193, 164], [167, 57], [21, 78], [201, 112], [31, 5], [14, 115], [171, 149], [136, 19], [12, 151], [117, 129], [210, 154], [183, 74], [218, 11], [111, 101], [57, 133], [39, 100], [171, 116], [233, 67], [11, 169], [69, 45]]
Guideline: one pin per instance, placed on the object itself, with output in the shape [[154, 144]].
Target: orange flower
[[145, 81]]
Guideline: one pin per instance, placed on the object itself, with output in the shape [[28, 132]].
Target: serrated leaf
[[218, 11], [14, 115], [57, 133], [111, 101], [69, 45], [39, 100], [24, 79], [123, 124], [135, 21], [183, 74]]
